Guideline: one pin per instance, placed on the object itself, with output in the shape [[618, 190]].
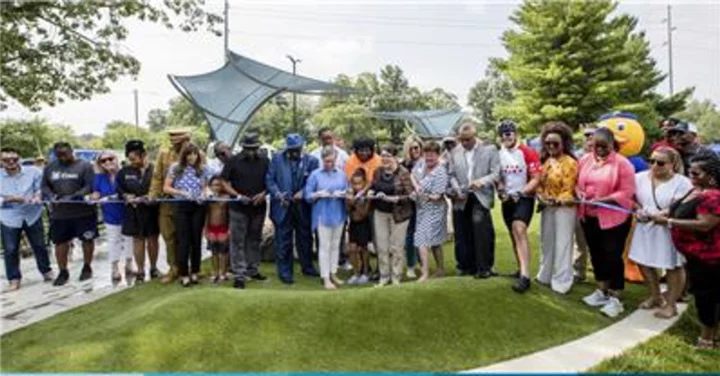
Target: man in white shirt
[[326, 137]]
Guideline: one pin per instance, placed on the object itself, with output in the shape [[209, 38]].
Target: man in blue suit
[[285, 180]]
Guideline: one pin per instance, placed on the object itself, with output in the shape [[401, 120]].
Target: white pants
[[119, 245], [557, 238], [329, 252]]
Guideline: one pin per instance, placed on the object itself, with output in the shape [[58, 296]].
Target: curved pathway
[[588, 351]]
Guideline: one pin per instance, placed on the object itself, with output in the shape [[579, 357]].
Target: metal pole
[[294, 62], [670, 52], [227, 30], [137, 117]]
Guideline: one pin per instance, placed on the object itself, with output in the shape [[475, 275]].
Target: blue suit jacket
[[279, 180]]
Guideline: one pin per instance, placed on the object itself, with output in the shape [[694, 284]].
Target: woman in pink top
[[604, 176]]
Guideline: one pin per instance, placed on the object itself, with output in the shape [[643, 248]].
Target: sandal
[[651, 303], [704, 344]]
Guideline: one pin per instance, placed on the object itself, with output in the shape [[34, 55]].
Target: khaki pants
[[167, 230], [556, 257], [390, 243]]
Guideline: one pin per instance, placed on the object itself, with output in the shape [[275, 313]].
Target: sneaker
[[258, 277], [353, 280], [346, 266], [411, 273], [596, 299], [521, 285], [62, 278], [49, 276], [154, 273], [363, 280], [483, 275], [239, 284], [139, 278], [613, 307], [86, 273]]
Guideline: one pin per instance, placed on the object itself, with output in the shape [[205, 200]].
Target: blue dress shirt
[[329, 212]]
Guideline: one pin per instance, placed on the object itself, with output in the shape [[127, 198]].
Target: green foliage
[[157, 120], [34, 137], [488, 93], [706, 116], [574, 61], [57, 50]]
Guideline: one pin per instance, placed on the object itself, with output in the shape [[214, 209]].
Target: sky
[[437, 43]]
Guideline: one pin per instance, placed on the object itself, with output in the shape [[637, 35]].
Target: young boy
[[360, 231], [217, 231]]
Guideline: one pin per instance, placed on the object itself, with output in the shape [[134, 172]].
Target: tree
[[57, 50], [35, 136], [573, 61], [157, 120], [488, 93], [706, 116], [182, 113]]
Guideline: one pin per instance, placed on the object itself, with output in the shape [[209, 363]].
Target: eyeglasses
[[10, 160], [553, 144], [589, 134], [656, 162], [106, 160], [508, 134]]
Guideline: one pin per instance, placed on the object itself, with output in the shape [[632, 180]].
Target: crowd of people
[[388, 205]]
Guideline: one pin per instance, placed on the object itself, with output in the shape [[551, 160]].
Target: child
[[217, 231], [360, 230]]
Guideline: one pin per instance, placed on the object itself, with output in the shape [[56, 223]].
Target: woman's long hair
[[674, 157], [188, 149], [409, 141], [98, 162], [565, 133]]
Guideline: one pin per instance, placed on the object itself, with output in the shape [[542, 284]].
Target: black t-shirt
[[132, 181], [247, 177], [384, 183]]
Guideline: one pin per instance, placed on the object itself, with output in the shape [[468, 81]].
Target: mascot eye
[[621, 127]]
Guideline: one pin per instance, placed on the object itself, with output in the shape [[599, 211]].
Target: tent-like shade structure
[[229, 96], [430, 123]]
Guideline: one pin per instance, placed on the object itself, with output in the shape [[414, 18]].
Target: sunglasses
[[106, 160], [10, 160], [508, 134], [553, 144], [589, 134], [415, 147], [656, 162]]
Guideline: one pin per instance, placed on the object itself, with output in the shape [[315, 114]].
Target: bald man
[[474, 168]]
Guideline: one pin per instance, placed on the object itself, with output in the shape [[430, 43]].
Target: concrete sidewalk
[[37, 300], [584, 353]]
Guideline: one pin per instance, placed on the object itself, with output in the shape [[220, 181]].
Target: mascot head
[[628, 132]]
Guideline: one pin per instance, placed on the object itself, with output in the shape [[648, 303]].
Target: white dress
[[652, 244]]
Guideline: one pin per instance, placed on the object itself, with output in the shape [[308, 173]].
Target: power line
[[381, 41]]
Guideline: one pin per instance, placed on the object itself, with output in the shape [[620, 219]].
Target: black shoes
[[312, 273], [86, 273], [239, 284], [258, 277], [62, 278], [521, 285], [154, 273], [483, 275]]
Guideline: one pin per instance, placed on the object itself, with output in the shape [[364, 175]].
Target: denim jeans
[[11, 244]]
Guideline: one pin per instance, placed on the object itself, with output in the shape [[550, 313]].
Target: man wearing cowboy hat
[[286, 179], [179, 137], [244, 177]]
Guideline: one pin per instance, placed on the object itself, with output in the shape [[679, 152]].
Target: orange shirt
[[353, 163]]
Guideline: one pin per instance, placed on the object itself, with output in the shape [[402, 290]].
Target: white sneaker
[[596, 299], [353, 280], [613, 308], [363, 279], [347, 266], [411, 273]]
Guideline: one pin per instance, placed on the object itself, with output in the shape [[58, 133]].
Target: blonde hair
[[409, 141], [98, 165], [674, 157]]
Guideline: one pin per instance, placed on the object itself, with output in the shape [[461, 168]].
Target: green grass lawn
[[444, 325], [671, 351]]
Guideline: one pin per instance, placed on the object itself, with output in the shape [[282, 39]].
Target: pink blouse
[[614, 179]]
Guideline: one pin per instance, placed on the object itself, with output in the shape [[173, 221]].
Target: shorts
[[215, 231], [360, 233], [218, 247], [522, 210], [65, 230], [141, 221]]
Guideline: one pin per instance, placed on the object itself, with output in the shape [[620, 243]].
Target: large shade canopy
[[430, 123], [229, 96]]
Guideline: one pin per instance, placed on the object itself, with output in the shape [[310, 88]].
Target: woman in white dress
[[652, 247]]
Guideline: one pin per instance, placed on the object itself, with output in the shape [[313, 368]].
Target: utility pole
[[294, 62], [137, 117], [227, 30], [670, 30]]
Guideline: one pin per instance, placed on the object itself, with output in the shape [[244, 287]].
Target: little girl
[[360, 230], [217, 231]]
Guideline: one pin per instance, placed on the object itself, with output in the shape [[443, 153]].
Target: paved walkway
[[37, 300], [586, 352]]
